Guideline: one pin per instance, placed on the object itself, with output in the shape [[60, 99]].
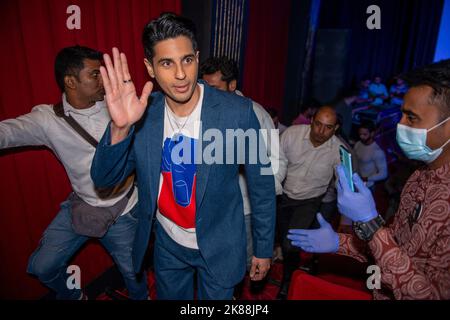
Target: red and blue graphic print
[[177, 197]]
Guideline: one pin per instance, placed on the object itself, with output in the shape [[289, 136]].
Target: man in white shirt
[[308, 156], [372, 165], [77, 71], [222, 73]]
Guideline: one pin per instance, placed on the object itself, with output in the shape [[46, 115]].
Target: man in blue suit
[[186, 182]]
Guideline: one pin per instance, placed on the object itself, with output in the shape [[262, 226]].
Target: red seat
[[307, 287]]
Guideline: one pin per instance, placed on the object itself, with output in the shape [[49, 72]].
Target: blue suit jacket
[[219, 217]]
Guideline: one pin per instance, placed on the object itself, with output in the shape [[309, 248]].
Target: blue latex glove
[[319, 240], [359, 205]]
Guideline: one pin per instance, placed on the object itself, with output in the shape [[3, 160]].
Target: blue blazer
[[220, 226]]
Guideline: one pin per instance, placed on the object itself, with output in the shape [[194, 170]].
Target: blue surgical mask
[[413, 142]]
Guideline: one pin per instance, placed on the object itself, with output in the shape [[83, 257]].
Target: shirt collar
[[96, 108]]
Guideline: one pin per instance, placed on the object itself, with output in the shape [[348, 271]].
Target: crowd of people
[[215, 222], [376, 93]]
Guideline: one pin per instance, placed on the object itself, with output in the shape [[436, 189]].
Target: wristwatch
[[366, 230]]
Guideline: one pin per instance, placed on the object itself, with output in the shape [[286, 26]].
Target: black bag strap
[[59, 111]]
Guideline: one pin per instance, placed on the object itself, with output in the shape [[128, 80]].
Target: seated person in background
[[412, 253], [344, 110], [372, 163], [363, 95], [397, 91], [276, 121], [378, 91], [307, 111]]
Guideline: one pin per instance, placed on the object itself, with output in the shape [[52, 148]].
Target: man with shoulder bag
[[71, 130]]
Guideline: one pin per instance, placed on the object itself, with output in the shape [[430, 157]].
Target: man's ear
[[336, 128], [70, 82], [149, 67], [232, 85]]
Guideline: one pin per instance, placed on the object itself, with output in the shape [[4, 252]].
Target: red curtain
[[33, 182], [266, 52]]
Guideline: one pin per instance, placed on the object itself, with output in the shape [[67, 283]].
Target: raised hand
[[125, 108]]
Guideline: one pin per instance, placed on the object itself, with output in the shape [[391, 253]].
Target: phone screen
[[346, 160]]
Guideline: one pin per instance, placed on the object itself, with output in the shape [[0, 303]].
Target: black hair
[[369, 125], [70, 61], [272, 111], [437, 76], [167, 26], [310, 104], [227, 67]]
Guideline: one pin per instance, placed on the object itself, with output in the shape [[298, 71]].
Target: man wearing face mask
[[413, 253]]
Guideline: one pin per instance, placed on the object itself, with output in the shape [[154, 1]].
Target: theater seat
[[307, 287]]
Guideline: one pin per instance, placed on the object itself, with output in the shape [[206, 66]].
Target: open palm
[[125, 108]]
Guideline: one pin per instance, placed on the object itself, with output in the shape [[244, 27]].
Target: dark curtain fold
[[299, 60], [33, 182], [407, 38], [266, 52]]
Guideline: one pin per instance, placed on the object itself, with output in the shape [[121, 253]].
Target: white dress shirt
[[308, 169], [42, 127], [265, 122]]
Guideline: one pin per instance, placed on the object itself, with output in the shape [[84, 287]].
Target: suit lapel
[[210, 117], [154, 135]]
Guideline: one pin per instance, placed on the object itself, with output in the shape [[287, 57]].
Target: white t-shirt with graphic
[[176, 200]]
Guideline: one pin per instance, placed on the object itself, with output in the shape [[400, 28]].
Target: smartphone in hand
[[346, 160]]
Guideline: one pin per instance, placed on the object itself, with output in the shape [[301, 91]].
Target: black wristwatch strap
[[366, 230]]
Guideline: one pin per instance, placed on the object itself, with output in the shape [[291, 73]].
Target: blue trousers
[[59, 243], [175, 269], [248, 229]]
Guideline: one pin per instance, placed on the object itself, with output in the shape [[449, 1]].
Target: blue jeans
[[175, 268], [59, 243]]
